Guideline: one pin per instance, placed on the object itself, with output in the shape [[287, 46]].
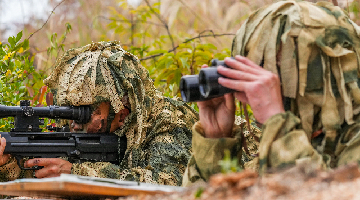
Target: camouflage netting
[[158, 129], [314, 49]]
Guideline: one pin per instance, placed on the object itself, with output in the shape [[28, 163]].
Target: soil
[[300, 182]]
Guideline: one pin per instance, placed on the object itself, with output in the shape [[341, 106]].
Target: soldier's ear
[[119, 119]]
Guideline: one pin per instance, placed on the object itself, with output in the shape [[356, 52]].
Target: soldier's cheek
[[96, 126]]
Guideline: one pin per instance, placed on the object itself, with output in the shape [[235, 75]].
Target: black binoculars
[[204, 86]]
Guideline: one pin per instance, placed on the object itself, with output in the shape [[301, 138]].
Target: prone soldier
[[124, 102]]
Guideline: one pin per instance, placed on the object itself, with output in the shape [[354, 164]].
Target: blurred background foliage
[[171, 38]]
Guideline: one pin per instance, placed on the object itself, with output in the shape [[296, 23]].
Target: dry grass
[[186, 19]]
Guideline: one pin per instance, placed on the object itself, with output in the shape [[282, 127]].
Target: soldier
[[125, 102], [297, 65]]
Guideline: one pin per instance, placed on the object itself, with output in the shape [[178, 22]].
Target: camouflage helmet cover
[[103, 71]]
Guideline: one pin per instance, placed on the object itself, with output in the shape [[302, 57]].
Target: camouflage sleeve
[[207, 152], [11, 171], [282, 144], [348, 148], [98, 169], [162, 161]]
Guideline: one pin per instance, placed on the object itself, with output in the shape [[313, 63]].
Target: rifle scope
[[27, 116]]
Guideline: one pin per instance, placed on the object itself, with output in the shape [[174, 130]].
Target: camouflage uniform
[[314, 48], [207, 152], [158, 129]]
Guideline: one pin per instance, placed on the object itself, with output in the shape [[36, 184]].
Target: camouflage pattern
[[207, 152], [314, 48], [11, 171], [158, 128]]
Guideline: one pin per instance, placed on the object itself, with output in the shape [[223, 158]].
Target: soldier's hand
[[3, 157], [53, 167], [217, 115], [259, 88]]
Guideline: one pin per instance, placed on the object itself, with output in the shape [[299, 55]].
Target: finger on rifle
[[50, 171], [2, 145], [238, 65], [236, 74], [39, 162]]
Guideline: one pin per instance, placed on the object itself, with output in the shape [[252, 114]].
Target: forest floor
[[300, 182]]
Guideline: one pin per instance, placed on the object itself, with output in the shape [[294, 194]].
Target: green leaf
[[119, 29], [18, 37], [177, 77], [165, 74], [203, 54], [184, 62], [11, 41], [68, 27], [112, 25], [198, 192], [185, 45], [168, 62]]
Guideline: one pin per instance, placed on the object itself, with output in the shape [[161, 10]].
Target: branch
[[44, 50], [189, 40], [162, 21], [46, 20], [135, 21]]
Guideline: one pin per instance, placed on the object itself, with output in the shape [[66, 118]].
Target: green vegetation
[[171, 38], [18, 78]]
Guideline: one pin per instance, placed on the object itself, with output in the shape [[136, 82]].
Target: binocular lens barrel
[[203, 86], [208, 83], [189, 88]]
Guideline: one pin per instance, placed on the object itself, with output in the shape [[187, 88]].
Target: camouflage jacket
[[207, 152], [285, 143]]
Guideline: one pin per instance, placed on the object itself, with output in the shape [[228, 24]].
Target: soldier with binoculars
[[296, 65]]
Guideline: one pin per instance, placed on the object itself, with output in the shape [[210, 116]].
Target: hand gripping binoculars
[[204, 86]]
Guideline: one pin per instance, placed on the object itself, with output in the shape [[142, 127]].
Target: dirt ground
[[299, 182]]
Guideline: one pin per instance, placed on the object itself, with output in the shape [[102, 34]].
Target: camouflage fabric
[[11, 171], [314, 48], [158, 129], [207, 152]]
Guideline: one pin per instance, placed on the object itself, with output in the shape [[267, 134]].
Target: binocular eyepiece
[[204, 86]]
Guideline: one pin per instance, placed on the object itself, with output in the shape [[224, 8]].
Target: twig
[[132, 28], [186, 41], [196, 15], [46, 20], [65, 44], [164, 22], [127, 21]]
